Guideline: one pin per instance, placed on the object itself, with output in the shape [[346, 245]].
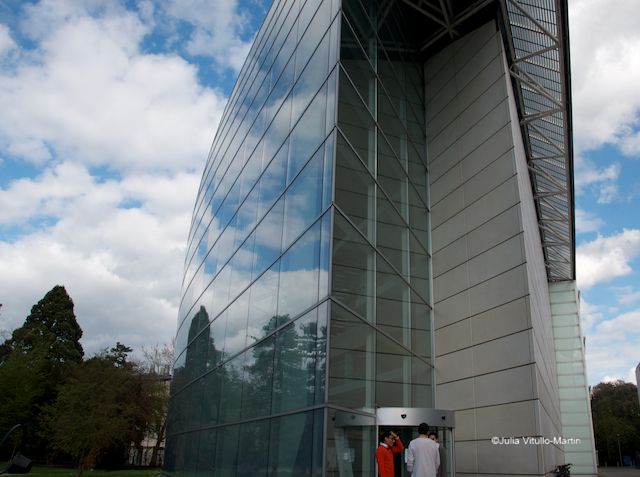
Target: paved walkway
[[618, 472]]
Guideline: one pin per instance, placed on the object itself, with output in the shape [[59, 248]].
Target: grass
[[42, 471]]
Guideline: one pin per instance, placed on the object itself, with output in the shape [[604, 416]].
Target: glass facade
[[306, 289], [575, 403]]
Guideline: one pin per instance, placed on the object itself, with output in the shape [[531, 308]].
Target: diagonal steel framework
[[537, 48]]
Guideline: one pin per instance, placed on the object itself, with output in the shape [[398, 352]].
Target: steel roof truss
[[526, 13]]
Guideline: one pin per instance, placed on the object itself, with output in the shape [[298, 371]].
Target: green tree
[[34, 361], [107, 404], [616, 420], [51, 326], [158, 362]]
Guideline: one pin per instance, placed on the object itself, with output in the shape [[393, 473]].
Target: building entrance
[[404, 422]]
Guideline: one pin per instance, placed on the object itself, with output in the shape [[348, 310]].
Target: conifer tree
[[52, 329], [35, 361]]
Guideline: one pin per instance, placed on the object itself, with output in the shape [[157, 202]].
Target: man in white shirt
[[423, 456]]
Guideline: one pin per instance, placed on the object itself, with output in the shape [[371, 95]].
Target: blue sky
[[108, 109]]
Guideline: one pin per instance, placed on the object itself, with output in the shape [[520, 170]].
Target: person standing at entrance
[[390, 444], [443, 454], [423, 456]]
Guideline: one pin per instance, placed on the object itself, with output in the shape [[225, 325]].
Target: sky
[[107, 112]]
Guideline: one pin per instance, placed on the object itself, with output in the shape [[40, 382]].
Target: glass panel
[[570, 355], [231, 376], [179, 375], [573, 393], [570, 368], [197, 350], [219, 294], [351, 361], [272, 182], [355, 62], [307, 135], [211, 398], [392, 178], [235, 335], [191, 327], [392, 237], [283, 79], [303, 200], [420, 325], [264, 302], [568, 343], [325, 257], [295, 364], [327, 172], [218, 330], [356, 122], [227, 451], [392, 120], [394, 293], [191, 453], [312, 77], [268, 239], [278, 129], [350, 449], [253, 449], [353, 268], [247, 216], [193, 395], [321, 352], [240, 266], [258, 377], [393, 373], [566, 332], [362, 28], [291, 445], [225, 245], [207, 444], [299, 275], [355, 188]]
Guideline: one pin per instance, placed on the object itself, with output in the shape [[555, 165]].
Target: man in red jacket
[[389, 445]]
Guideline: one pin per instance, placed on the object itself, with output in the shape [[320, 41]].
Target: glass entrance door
[[355, 438], [405, 422]]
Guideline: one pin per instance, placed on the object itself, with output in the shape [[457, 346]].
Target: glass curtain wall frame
[[380, 328]]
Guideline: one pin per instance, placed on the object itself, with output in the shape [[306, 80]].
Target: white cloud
[[25, 199], [627, 295], [605, 56], [88, 97], [6, 42], [588, 175], [608, 193], [587, 222], [122, 266], [89, 94], [589, 315], [218, 28], [606, 258], [612, 346]]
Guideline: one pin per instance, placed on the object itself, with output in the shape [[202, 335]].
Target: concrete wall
[[495, 361]]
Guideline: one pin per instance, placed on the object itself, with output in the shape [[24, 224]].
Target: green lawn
[[68, 472]]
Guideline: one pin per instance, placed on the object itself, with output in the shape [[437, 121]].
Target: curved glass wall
[[249, 378], [306, 288]]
